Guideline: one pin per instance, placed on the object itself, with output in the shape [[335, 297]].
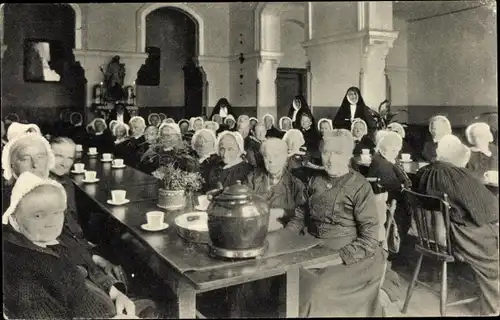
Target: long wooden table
[[172, 258]]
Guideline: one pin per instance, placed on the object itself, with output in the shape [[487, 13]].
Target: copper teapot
[[237, 222]]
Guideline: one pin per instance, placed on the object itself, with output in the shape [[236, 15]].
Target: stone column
[[217, 76], [375, 49], [268, 62]]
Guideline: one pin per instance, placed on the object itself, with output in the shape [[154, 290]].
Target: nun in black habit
[[299, 106], [353, 106], [222, 108]]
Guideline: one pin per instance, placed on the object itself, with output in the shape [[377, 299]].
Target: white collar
[[227, 166], [485, 152], [168, 149]]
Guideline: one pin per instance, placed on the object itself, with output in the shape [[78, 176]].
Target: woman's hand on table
[[122, 303]]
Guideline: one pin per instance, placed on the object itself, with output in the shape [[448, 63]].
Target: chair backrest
[[432, 220]]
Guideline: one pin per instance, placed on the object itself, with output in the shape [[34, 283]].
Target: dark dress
[[364, 143], [137, 146], [342, 212], [103, 142], [205, 167], [407, 148], [479, 163], [113, 116], [429, 151], [228, 177], [342, 119], [274, 133], [473, 215], [125, 150], [79, 135], [312, 139], [222, 102]]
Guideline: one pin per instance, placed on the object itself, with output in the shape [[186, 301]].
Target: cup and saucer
[[118, 164], [106, 157], [90, 177], [92, 152], [118, 198], [155, 221], [79, 168], [203, 203]]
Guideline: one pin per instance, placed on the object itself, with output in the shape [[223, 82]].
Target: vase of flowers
[[175, 184], [384, 116]]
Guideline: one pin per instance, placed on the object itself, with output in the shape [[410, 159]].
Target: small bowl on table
[[193, 227]]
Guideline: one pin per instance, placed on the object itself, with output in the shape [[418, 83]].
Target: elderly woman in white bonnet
[[232, 168], [285, 124], [204, 143], [484, 155], [272, 131], [341, 211], [362, 140], [473, 216], [41, 278], [212, 125], [324, 125], [154, 119], [439, 126], [137, 127], [399, 129], [101, 138]]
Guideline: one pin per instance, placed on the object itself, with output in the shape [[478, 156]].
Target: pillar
[[268, 63], [216, 72]]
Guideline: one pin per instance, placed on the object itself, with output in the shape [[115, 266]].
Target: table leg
[[292, 293], [186, 301]]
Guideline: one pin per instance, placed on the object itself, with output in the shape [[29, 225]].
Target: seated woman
[[232, 168], [242, 118], [252, 147], [169, 120], [473, 215], [296, 155], [42, 279], [392, 176], [184, 125], [229, 124], [101, 138], [484, 155], [341, 211], [359, 131], [204, 144], [260, 132], [137, 127], [439, 126], [124, 147], [77, 131], [112, 125], [253, 123], [311, 136], [151, 139], [324, 125], [399, 129], [272, 132], [170, 149], [285, 124], [212, 125], [154, 120]]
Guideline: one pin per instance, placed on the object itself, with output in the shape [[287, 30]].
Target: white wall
[[397, 65], [452, 59], [331, 18], [292, 34]]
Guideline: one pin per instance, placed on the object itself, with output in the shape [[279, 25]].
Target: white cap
[[236, 135], [16, 129]]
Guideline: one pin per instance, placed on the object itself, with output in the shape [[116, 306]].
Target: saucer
[[148, 228], [119, 167], [200, 208], [92, 154], [118, 204], [406, 161], [106, 160], [77, 172], [90, 181]]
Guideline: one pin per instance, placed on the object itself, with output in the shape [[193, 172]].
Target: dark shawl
[[471, 201], [364, 143], [479, 163], [429, 151], [125, 150], [227, 177], [312, 139], [103, 142], [113, 115], [205, 168], [253, 156], [222, 102], [342, 119], [274, 133], [391, 176], [79, 135]]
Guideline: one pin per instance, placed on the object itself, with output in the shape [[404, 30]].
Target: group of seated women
[[304, 170]]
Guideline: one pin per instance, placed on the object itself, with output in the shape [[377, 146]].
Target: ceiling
[[410, 10]]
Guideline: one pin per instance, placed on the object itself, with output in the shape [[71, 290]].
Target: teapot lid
[[235, 192]]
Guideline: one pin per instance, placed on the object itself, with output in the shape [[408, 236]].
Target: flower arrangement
[[384, 115], [173, 178]]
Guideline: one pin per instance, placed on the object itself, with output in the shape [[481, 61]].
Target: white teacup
[[365, 158], [203, 201], [365, 151], [78, 148], [90, 175], [92, 150], [79, 167], [118, 196], [155, 219], [406, 157], [118, 162], [491, 176], [106, 156]]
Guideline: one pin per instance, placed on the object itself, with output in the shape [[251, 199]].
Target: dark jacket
[[274, 133], [342, 212], [41, 283], [479, 163], [391, 176], [103, 142], [286, 195], [312, 138], [364, 143], [429, 151], [126, 150], [342, 119]]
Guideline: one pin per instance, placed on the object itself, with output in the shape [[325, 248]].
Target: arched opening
[[171, 40]]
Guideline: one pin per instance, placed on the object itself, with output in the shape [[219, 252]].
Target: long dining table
[[188, 268]]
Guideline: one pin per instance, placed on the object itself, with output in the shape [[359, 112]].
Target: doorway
[[290, 82]]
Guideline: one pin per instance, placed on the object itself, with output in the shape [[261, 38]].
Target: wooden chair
[[432, 219]]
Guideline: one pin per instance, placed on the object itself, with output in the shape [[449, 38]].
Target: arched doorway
[[172, 34]]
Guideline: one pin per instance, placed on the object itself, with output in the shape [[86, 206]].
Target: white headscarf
[[198, 118], [26, 183], [281, 122], [200, 132], [229, 116], [153, 114], [121, 124], [384, 136], [111, 123], [475, 127], [268, 115], [8, 173], [169, 120], [191, 123], [296, 136], [444, 120], [365, 131], [206, 123], [236, 135], [323, 120], [92, 124], [450, 149], [397, 127], [16, 129], [174, 126], [136, 118], [253, 118]]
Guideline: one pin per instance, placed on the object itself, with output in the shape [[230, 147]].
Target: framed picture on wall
[[44, 60]]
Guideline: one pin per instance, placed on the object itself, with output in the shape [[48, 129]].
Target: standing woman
[[353, 106], [299, 106], [359, 131], [341, 210], [223, 109]]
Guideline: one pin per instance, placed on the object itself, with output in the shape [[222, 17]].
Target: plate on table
[[119, 167], [148, 228], [118, 204], [90, 181], [77, 172], [193, 227], [92, 154]]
